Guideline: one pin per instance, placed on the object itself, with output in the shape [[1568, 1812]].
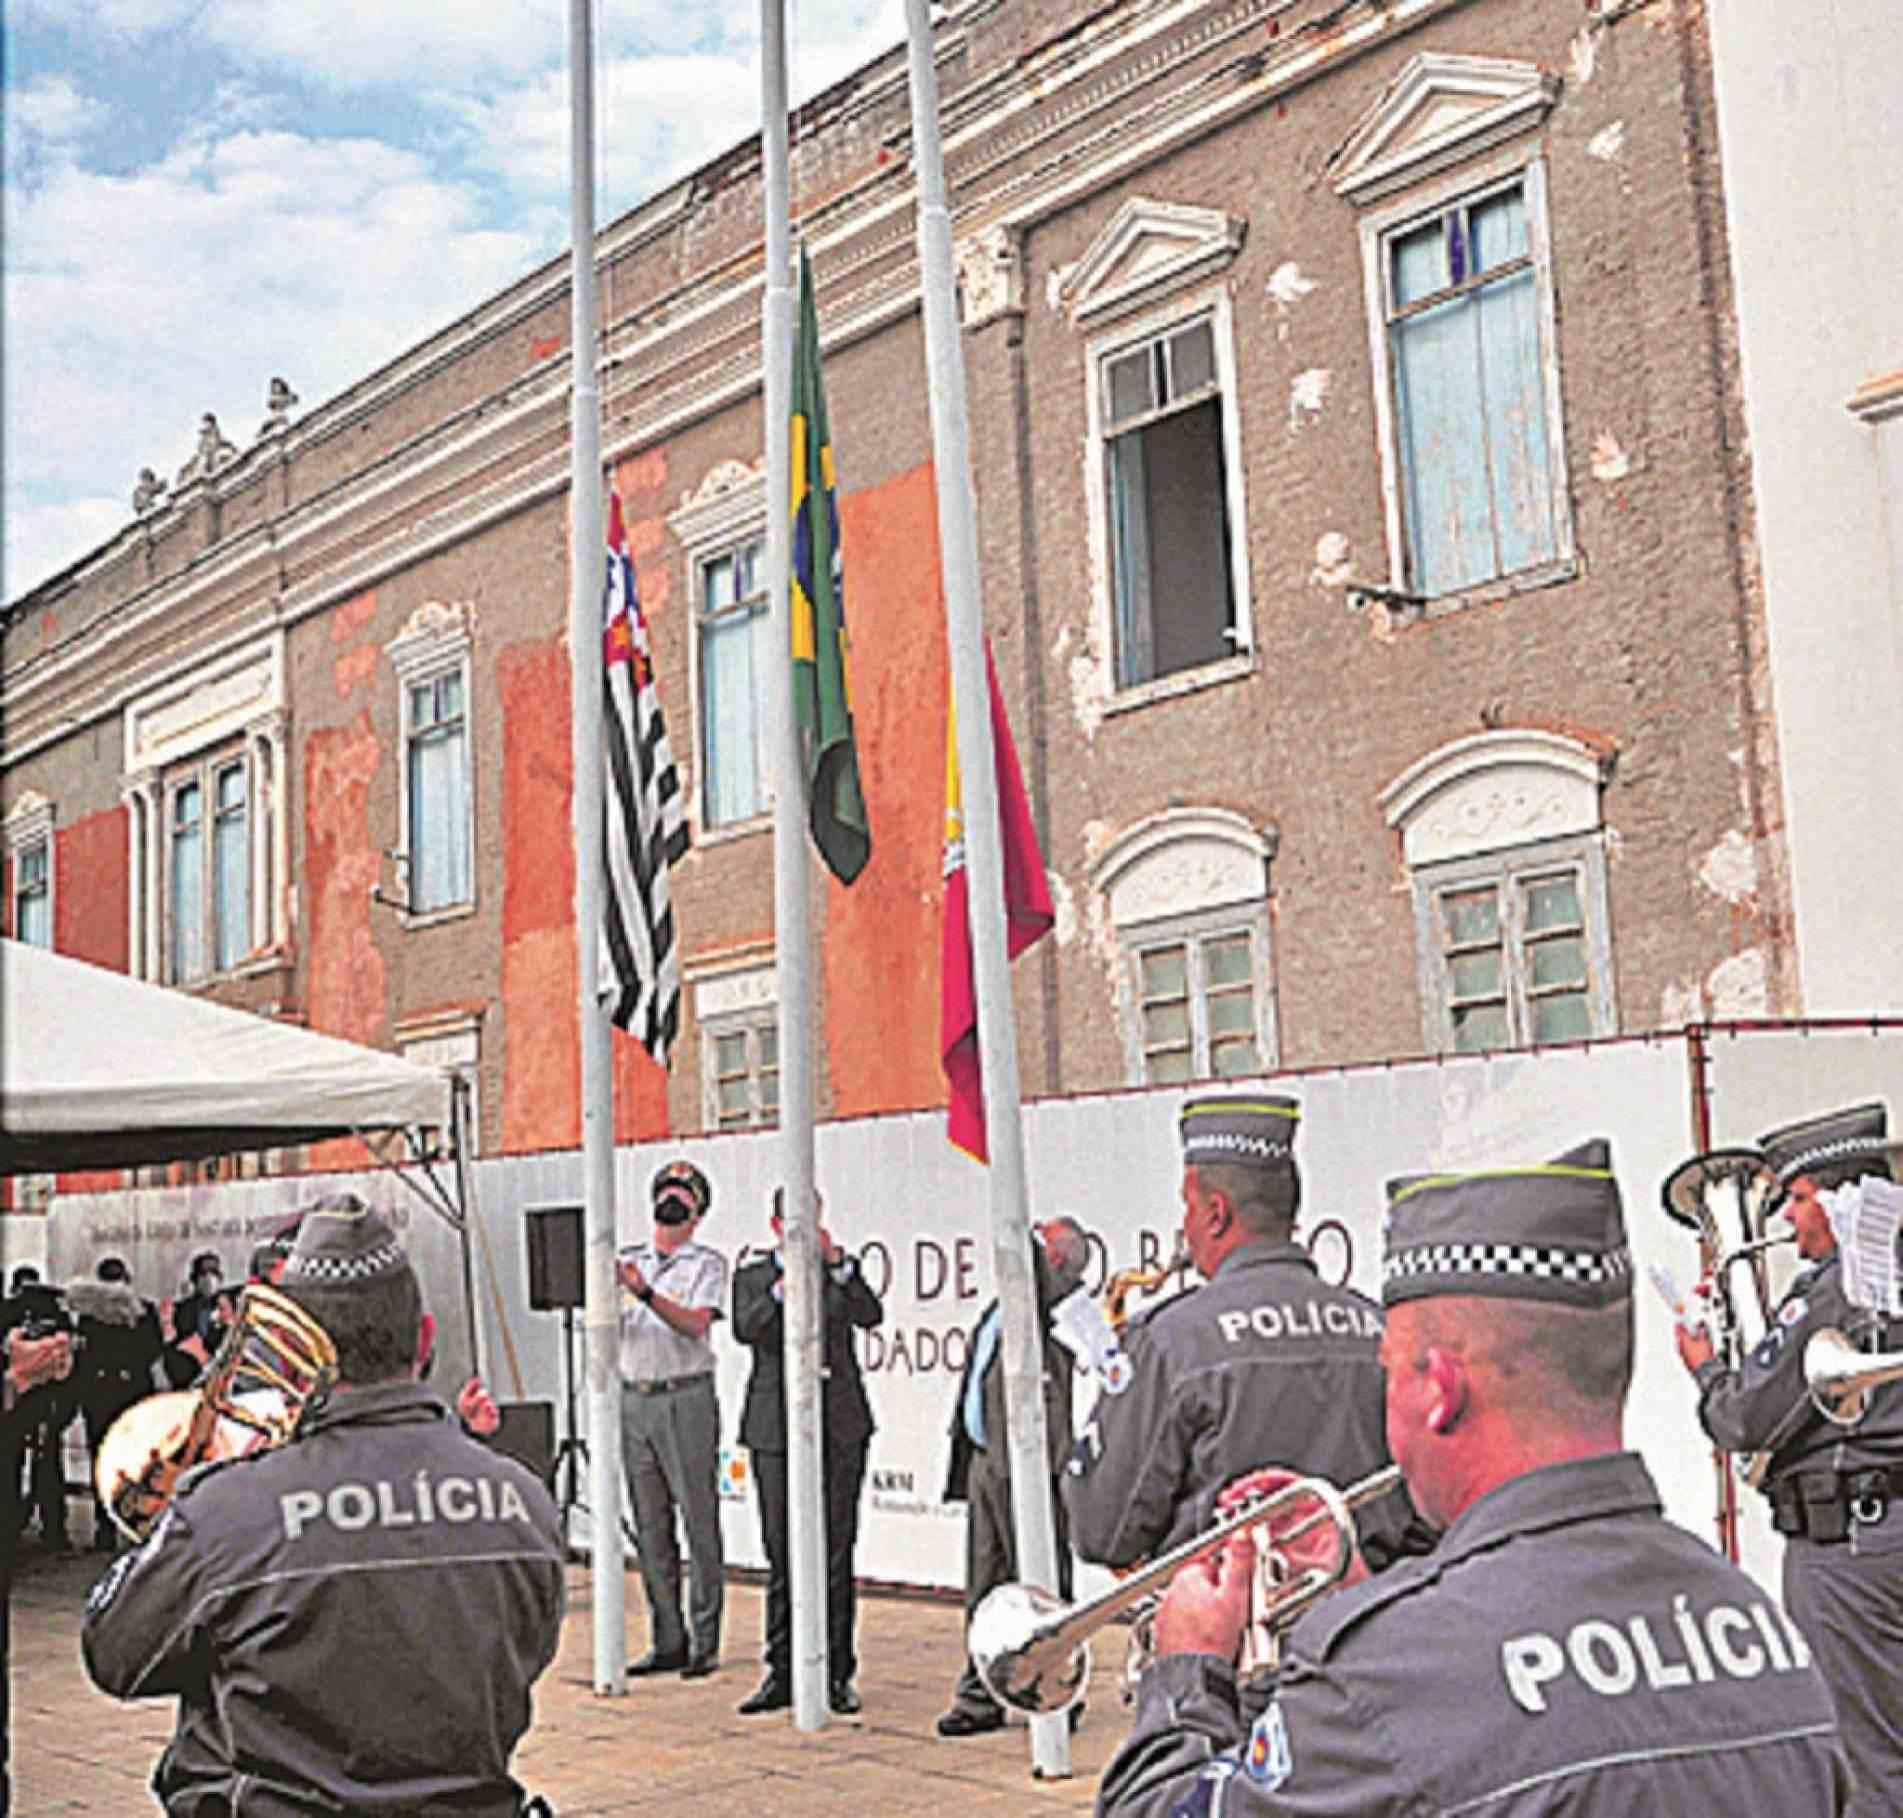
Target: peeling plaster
[[1741, 986], [1054, 282], [1064, 901], [1097, 837], [1087, 690], [1680, 1003], [1060, 645], [1102, 932], [1607, 143], [1582, 56], [352, 616], [1610, 462], [1730, 869], [1332, 565], [1307, 392], [1286, 288]]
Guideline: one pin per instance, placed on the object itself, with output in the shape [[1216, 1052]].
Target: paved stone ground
[[75, 1750]]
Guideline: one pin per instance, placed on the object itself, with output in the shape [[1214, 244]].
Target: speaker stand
[[572, 1453]]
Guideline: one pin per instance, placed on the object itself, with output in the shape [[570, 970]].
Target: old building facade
[[1368, 547]]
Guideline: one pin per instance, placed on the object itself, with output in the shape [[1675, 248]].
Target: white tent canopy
[[98, 1070]]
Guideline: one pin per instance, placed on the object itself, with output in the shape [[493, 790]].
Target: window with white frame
[[742, 1069], [1166, 464], [1200, 992], [736, 1008], [1461, 315], [33, 893], [436, 780], [731, 635], [1188, 898], [437, 834], [208, 866], [1504, 845], [453, 1042], [1467, 362]]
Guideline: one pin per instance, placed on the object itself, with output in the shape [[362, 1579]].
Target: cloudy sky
[[201, 194]]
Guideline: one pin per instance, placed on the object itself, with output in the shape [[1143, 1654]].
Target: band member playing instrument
[[351, 1622], [1836, 1493], [1564, 1649], [1265, 1364]]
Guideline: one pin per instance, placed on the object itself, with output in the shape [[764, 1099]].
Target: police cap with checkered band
[[1551, 1231], [1256, 1131], [341, 1241], [1837, 1147]]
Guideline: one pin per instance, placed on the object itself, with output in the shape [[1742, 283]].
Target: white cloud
[[53, 111], [136, 303]]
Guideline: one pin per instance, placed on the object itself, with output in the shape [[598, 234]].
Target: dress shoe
[[654, 1661], [963, 1720], [843, 1699], [773, 1695], [701, 1666]]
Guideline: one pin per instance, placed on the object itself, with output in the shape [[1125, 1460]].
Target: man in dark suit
[[759, 1320], [980, 1461]]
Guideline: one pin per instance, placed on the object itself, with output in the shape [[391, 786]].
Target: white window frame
[[1584, 856], [203, 773], [736, 992], [1420, 203], [1193, 933], [436, 641], [725, 512], [702, 560], [453, 1042], [29, 828], [1210, 301]]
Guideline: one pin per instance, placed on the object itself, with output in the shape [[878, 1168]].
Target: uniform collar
[[381, 1401], [1558, 1495], [1264, 1252]]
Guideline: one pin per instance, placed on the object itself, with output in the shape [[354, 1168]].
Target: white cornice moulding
[[1147, 250], [731, 499], [29, 821], [1437, 111], [1496, 789]]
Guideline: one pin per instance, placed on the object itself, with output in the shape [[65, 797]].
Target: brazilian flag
[[822, 692]]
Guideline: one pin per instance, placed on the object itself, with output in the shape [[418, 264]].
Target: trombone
[[1032, 1649]]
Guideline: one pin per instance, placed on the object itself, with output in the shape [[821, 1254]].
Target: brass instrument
[[1841, 1377], [1723, 1195], [1032, 1649], [1118, 1289], [274, 1364]]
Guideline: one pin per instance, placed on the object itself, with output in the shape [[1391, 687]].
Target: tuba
[[1032, 1649], [275, 1364], [1722, 1195], [1841, 1376]]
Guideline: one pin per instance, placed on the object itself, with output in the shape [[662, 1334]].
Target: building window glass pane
[[33, 895], [743, 1064], [1464, 334], [733, 657], [441, 869], [231, 867], [188, 882], [1165, 475], [1199, 1006]]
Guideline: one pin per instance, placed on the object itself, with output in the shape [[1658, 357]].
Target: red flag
[[1027, 915]]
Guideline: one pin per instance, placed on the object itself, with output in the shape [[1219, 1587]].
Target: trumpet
[[275, 1363], [1118, 1289], [1032, 1649], [1841, 1377]]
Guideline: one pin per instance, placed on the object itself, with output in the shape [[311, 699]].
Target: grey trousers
[[991, 1556], [1847, 1597], [670, 1449]]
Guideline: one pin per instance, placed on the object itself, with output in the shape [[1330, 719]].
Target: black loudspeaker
[[555, 1257], [527, 1435]]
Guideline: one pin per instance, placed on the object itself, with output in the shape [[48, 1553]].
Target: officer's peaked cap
[[682, 1181], [1254, 1131], [1550, 1231], [1834, 1148], [341, 1241]]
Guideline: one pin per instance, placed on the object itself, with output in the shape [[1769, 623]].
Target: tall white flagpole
[[792, 920], [587, 558], [997, 1032]]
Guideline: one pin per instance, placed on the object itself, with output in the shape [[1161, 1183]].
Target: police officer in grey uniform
[[1264, 1364], [1836, 1493], [675, 1288], [1564, 1649], [352, 1622]]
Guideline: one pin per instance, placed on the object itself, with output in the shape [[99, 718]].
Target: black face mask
[[672, 1212]]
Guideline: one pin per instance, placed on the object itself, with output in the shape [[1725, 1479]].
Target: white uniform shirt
[[692, 1276]]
